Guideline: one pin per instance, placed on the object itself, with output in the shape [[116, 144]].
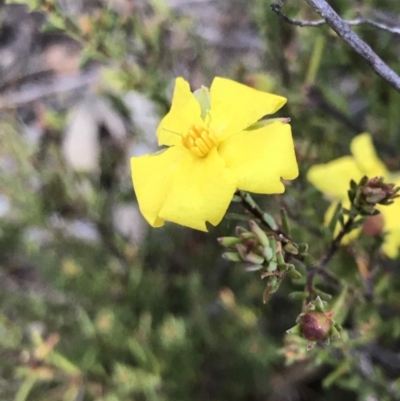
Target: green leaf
[[335, 218]]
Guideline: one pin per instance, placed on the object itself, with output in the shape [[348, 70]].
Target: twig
[[357, 44], [319, 268], [277, 9], [250, 205], [343, 29]]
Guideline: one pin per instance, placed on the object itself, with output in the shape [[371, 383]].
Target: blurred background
[[95, 304]]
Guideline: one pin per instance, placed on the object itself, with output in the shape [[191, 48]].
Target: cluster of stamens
[[199, 140]]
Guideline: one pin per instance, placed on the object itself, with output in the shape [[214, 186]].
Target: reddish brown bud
[[316, 326], [374, 225], [376, 191]]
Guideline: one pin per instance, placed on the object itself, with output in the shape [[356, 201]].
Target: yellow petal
[[365, 156], [333, 178], [185, 110], [234, 107], [152, 175], [200, 191], [391, 215], [260, 158]]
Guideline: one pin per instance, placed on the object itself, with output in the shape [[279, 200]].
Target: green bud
[[240, 230], [232, 256], [302, 247], [229, 241], [253, 268], [279, 258], [274, 245], [294, 275], [291, 248], [203, 97], [272, 266], [247, 235], [270, 221], [323, 295], [254, 258], [283, 267], [250, 257], [259, 233], [319, 304], [267, 253], [298, 295]]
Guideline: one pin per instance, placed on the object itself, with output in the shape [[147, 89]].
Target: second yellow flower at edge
[[210, 154], [333, 179]]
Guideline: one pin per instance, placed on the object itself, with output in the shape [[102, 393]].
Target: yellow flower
[[333, 179], [210, 154]]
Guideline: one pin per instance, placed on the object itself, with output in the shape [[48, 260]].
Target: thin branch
[[357, 44], [343, 30], [319, 268], [251, 206], [277, 9]]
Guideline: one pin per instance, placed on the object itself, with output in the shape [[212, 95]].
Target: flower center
[[199, 140]]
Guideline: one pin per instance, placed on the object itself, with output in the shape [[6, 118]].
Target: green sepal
[[203, 97], [295, 330]]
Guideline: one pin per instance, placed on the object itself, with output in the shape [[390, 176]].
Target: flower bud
[[259, 233], [232, 256], [290, 248], [240, 230], [249, 256], [229, 241], [316, 326], [294, 275], [268, 253], [371, 192]]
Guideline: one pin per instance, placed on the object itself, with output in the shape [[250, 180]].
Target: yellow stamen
[[199, 140]]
